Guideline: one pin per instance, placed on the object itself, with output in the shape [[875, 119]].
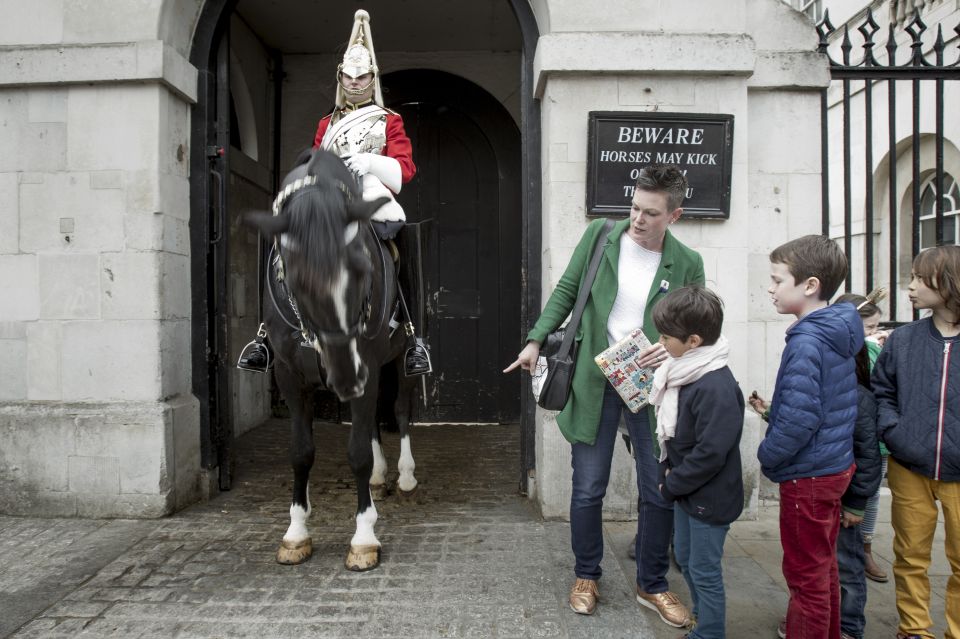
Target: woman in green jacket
[[642, 262]]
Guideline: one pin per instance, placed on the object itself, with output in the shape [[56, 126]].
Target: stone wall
[[759, 66], [96, 412]]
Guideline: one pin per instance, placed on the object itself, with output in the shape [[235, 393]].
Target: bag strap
[[583, 293]]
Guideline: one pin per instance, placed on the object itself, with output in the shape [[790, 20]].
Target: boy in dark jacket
[[917, 385], [699, 421], [864, 484], [808, 448]]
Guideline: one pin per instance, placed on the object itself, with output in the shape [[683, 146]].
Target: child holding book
[[699, 422], [916, 381], [808, 447]]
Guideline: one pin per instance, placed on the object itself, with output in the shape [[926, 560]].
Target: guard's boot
[[416, 361], [256, 356]]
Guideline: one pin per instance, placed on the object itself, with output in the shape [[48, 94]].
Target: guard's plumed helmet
[[359, 58]]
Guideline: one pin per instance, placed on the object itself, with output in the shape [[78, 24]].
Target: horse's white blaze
[[338, 293], [379, 475], [355, 355], [365, 523], [406, 466], [298, 521]]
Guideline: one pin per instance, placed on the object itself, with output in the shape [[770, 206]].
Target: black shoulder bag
[[562, 359]]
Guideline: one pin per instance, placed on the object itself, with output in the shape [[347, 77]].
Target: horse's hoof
[[408, 496], [378, 491], [292, 553], [363, 558]]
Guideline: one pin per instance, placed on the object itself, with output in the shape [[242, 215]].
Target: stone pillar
[[698, 57], [96, 412]]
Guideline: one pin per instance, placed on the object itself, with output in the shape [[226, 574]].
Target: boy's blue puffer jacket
[[814, 406], [916, 381]]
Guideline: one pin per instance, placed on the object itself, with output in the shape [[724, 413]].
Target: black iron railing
[[921, 66]]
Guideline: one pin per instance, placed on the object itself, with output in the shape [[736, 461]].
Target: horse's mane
[[318, 217]]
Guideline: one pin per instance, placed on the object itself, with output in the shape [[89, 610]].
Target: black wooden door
[[467, 188]]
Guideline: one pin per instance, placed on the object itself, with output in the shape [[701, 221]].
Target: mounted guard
[[333, 294], [371, 141]]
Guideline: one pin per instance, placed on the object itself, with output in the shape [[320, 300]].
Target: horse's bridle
[[312, 335]]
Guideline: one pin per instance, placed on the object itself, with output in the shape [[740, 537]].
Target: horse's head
[[328, 269]]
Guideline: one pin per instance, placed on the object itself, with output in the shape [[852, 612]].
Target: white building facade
[[108, 406]]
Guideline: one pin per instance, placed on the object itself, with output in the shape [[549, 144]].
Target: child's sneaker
[[667, 605]]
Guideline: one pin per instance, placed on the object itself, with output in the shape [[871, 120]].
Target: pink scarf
[[674, 373]]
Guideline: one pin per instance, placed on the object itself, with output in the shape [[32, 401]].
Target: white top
[[637, 268]]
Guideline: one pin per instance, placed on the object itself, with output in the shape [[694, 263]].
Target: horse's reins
[[313, 335]]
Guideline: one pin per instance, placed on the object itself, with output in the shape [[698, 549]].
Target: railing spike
[[825, 29], [915, 28], [892, 46], [846, 46], [867, 30], [956, 30], [939, 45]]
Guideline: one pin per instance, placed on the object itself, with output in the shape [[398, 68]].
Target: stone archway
[[209, 380]]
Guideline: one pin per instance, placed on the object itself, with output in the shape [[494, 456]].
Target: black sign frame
[[602, 181]]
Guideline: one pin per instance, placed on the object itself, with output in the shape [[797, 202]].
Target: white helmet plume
[[359, 58]]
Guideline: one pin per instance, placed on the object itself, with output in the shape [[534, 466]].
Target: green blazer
[[679, 266]]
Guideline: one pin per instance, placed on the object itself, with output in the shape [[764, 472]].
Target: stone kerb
[[117, 459]]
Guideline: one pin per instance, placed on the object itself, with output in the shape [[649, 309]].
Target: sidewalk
[[469, 559]]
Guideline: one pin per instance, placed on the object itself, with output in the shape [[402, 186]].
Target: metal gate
[[912, 59]]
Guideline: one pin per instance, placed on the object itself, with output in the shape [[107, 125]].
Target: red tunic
[[398, 144]]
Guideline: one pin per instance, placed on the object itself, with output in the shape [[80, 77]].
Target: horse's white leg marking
[[379, 475], [298, 521], [365, 523], [406, 466]]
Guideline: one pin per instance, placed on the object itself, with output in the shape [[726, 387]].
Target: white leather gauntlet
[[384, 167]]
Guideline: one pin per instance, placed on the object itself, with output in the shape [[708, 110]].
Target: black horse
[[332, 290]]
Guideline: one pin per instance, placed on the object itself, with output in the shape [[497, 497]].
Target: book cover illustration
[[619, 365]]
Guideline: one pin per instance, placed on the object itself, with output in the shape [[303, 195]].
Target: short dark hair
[[691, 310], [664, 178], [864, 308], [813, 256]]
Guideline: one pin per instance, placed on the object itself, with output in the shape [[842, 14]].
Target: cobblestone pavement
[[468, 558]]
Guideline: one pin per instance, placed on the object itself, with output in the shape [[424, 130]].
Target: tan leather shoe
[[667, 605], [584, 596]]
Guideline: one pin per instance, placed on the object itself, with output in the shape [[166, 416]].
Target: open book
[[618, 364]]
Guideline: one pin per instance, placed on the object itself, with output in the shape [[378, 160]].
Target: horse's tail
[[387, 396]]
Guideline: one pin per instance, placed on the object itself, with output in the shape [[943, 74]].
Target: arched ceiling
[[323, 26]]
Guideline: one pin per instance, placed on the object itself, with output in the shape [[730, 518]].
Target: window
[[928, 211], [813, 8]]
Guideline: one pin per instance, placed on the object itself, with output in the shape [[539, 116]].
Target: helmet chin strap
[[359, 91]]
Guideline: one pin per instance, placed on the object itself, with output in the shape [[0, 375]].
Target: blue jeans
[[853, 583], [699, 549], [591, 472]]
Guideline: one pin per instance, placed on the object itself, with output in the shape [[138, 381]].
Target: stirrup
[[416, 359], [255, 356]]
